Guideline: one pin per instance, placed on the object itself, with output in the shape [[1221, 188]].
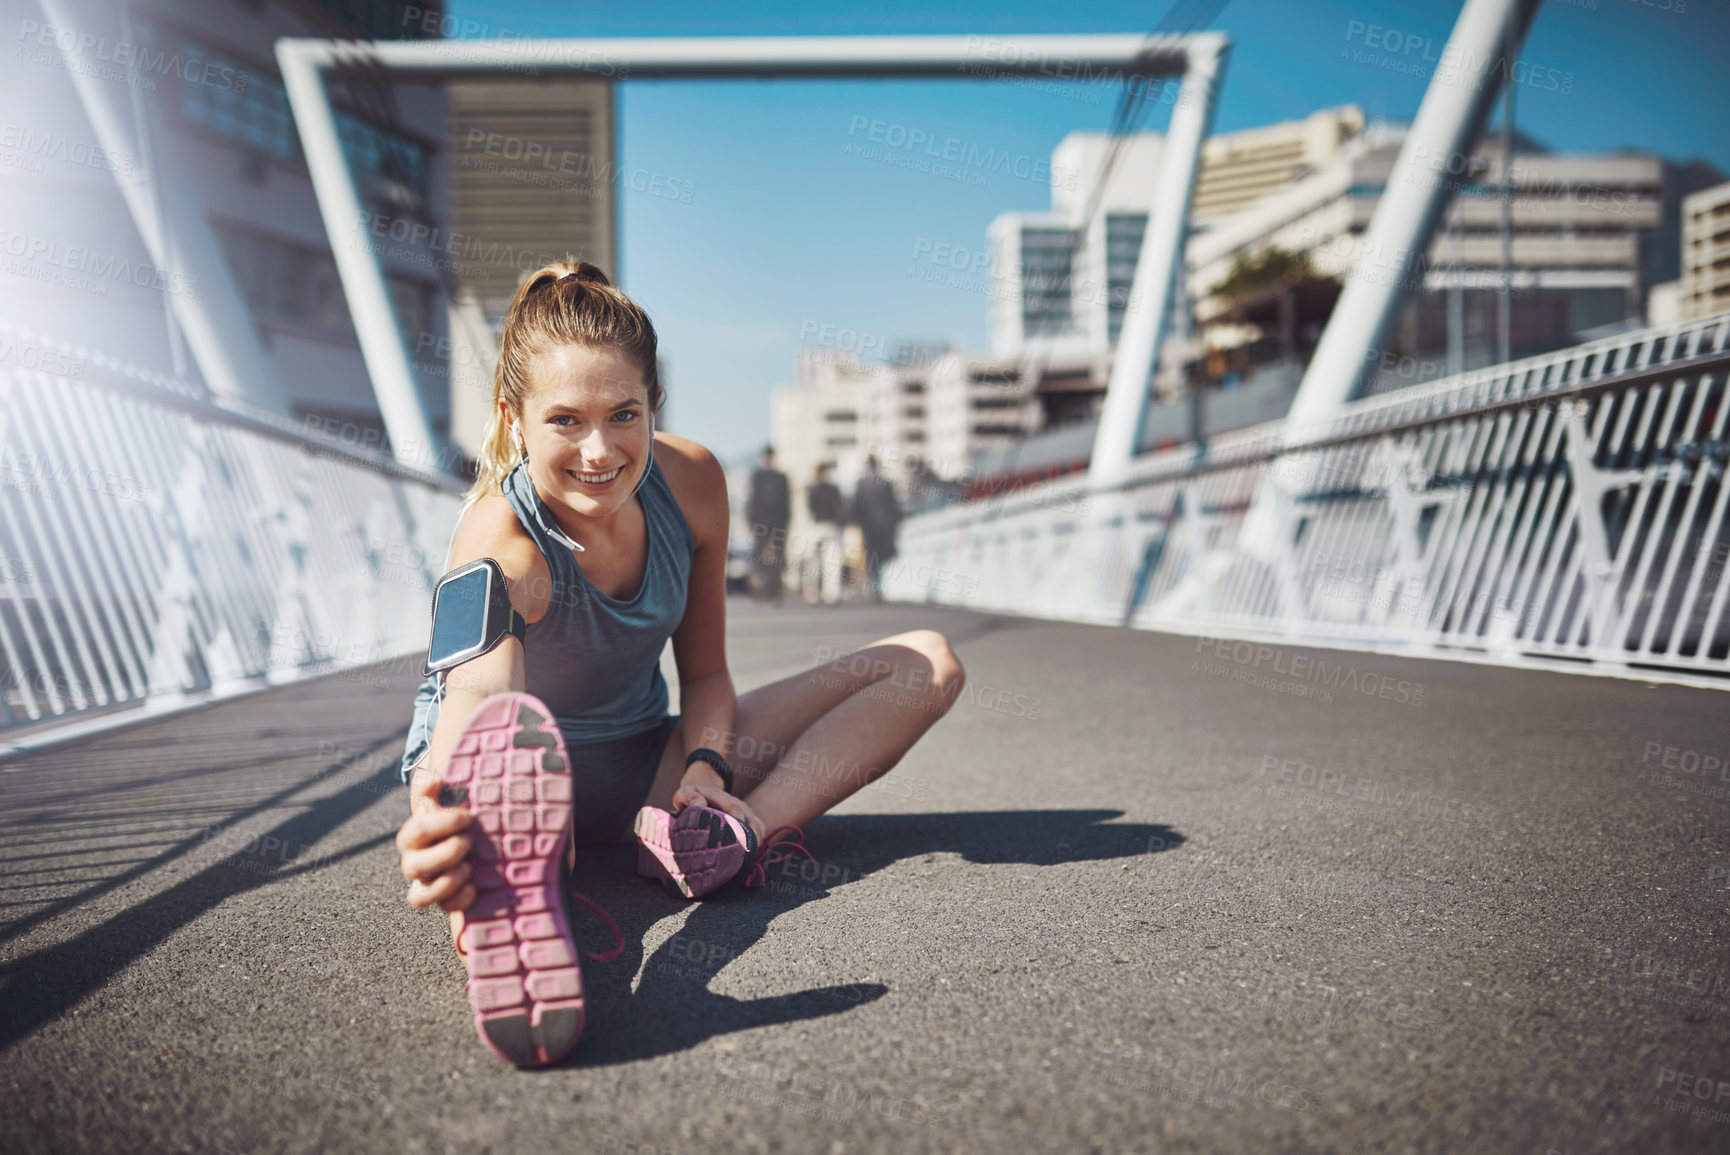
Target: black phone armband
[[471, 613]]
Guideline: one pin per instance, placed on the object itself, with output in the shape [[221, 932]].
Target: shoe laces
[[776, 849], [601, 914], [596, 909]]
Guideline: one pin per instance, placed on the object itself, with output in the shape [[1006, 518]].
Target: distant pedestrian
[[878, 516], [767, 510], [823, 559]]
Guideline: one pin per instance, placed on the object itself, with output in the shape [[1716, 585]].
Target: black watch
[[716, 762]]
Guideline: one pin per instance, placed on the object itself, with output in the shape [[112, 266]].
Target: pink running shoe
[[701, 849], [525, 972], [693, 853]]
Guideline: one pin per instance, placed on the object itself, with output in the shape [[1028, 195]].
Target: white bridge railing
[[1570, 506], [158, 550]]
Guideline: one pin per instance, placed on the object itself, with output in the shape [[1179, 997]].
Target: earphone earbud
[[644, 476]]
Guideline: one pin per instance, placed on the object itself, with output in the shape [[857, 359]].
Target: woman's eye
[[625, 416], [561, 420]]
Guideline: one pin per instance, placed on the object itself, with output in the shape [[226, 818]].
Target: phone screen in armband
[[459, 619]]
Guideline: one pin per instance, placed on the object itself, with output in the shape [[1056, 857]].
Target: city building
[[181, 233], [1705, 283], [532, 172], [531, 166], [1581, 229], [1279, 221], [924, 418], [1063, 278], [1239, 168], [1661, 248], [975, 403], [1576, 252], [821, 418]]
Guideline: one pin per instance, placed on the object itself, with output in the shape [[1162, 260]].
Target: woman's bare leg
[[808, 741]]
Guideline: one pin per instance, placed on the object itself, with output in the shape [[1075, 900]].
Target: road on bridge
[[1136, 892]]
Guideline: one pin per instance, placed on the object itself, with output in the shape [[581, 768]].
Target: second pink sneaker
[[701, 849], [695, 852]]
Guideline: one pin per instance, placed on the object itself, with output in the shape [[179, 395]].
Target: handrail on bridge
[[1568, 507], [160, 549]]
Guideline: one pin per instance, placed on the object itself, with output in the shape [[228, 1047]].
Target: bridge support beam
[[306, 63], [1159, 265], [383, 345], [1475, 65], [1476, 62]]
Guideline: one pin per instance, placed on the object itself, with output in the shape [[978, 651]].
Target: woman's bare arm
[[708, 703], [433, 846]]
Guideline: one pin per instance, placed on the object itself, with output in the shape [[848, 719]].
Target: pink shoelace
[[776, 850], [618, 937]]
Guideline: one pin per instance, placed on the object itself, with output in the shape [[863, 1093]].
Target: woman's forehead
[[584, 375]]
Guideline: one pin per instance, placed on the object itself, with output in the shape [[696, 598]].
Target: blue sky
[[756, 231]]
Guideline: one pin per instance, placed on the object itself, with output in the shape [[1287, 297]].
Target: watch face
[[459, 618]]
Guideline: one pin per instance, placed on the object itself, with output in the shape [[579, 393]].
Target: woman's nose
[[596, 448]]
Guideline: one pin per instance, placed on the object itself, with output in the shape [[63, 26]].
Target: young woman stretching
[[564, 738]]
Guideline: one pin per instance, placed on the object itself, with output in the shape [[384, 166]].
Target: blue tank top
[[594, 660]]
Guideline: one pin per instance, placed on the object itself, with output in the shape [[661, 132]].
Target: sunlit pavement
[[1136, 892]]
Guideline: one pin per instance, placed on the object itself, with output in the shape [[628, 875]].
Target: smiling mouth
[[596, 478]]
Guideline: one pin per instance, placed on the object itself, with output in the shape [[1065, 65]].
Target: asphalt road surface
[[1135, 893]]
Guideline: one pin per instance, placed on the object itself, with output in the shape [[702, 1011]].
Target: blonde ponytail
[[565, 303]]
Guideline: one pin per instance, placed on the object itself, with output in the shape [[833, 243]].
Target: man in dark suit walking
[[821, 575], [878, 515], [767, 510]]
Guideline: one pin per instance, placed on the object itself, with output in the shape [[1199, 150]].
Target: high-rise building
[[532, 164], [1581, 232], [1064, 277], [1279, 220], [1705, 282], [168, 218], [1661, 248], [533, 175], [1239, 168], [973, 404], [924, 419], [1577, 226], [1061, 279], [820, 418]]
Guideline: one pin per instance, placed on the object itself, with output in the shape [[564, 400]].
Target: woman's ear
[[511, 423]]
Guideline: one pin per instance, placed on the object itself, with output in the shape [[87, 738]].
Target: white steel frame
[[1451, 117], [1198, 58]]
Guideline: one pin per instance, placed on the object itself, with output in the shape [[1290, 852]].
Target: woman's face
[[585, 422]]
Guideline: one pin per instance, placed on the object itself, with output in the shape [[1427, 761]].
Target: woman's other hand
[[692, 793]]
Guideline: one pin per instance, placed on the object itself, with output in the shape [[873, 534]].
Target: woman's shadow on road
[[672, 1009]]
